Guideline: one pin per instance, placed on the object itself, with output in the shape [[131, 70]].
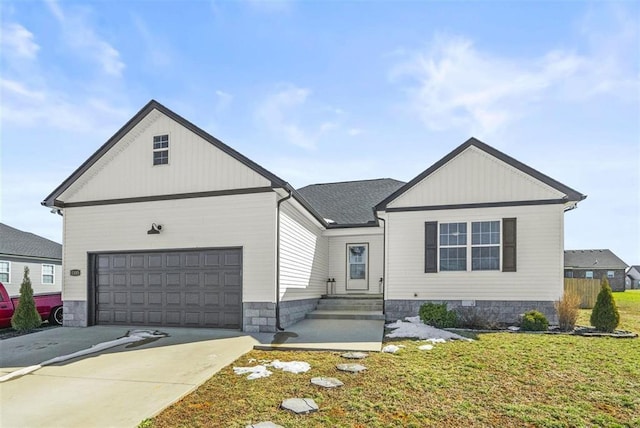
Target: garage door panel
[[136, 261], [155, 280], [189, 288], [173, 280]]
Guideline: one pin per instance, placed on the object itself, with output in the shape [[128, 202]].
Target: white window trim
[[586, 276], [613, 274], [163, 149], [8, 272], [469, 246], [53, 274]]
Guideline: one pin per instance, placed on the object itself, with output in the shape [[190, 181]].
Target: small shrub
[[26, 316], [534, 321], [438, 316], [568, 310], [475, 318], [605, 316]]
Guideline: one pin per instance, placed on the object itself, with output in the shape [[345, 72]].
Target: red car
[[49, 307]]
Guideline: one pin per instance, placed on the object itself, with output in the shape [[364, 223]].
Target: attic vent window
[[161, 149]]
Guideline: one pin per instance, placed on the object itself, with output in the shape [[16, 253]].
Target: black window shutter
[[509, 253], [431, 247]]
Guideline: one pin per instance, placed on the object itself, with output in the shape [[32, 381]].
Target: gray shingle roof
[[18, 243], [594, 259], [349, 202]]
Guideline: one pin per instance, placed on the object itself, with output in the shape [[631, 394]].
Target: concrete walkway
[[121, 386], [326, 334], [118, 387]]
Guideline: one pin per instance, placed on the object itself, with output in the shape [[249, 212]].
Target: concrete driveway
[[117, 387]]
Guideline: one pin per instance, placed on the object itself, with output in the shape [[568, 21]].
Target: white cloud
[[223, 102], [18, 41], [454, 84], [278, 113], [290, 113], [79, 35], [26, 107]]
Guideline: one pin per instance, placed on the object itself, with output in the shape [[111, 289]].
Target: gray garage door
[[179, 288]]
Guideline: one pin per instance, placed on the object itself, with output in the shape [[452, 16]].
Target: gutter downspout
[[278, 326], [384, 260]]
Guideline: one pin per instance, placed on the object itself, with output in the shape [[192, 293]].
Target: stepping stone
[[353, 368], [327, 382], [267, 424], [354, 355], [300, 405]]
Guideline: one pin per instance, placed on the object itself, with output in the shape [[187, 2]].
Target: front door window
[[357, 267]]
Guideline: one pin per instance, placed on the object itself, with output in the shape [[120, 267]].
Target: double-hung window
[[161, 149], [48, 274], [485, 245], [5, 272], [453, 246], [471, 246]]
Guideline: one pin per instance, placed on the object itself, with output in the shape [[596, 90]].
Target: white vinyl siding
[[539, 257], [304, 256], [127, 171], [35, 275], [247, 221], [475, 176], [338, 256]]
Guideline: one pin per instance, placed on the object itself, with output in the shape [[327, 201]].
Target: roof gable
[[475, 173], [152, 118], [16, 242]]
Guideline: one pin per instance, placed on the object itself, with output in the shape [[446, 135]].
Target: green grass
[[502, 379]]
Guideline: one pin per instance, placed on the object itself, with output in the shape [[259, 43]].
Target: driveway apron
[[117, 387]]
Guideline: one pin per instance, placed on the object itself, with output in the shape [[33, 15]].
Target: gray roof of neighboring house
[[593, 259], [349, 202], [634, 271], [18, 243]]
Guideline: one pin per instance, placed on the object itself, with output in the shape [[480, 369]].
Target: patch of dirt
[[8, 333]]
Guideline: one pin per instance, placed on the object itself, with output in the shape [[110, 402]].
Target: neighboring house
[[166, 225], [42, 256], [595, 264], [632, 281]]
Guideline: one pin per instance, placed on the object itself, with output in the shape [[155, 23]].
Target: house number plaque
[[74, 272]]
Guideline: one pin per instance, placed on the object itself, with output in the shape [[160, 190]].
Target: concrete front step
[[355, 308], [346, 315], [352, 296]]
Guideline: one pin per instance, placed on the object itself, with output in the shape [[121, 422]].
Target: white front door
[[357, 267]]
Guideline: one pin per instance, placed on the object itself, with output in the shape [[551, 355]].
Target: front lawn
[[501, 379]]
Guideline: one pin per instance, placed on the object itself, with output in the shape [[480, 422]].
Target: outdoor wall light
[[155, 229]]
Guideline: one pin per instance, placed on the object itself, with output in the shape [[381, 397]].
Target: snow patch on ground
[[256, 372], [392, 349], [413, 327], [292, 366]]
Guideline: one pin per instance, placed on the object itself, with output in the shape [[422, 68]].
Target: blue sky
[[331, 91]]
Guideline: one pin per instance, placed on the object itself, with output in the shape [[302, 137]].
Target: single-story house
[[633, 278], [166, 225], [595, 264], [42, 256]]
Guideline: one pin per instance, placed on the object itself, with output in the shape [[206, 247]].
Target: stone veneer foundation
[[74, 313], [260, 317], [504, 311], [257, 316]]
